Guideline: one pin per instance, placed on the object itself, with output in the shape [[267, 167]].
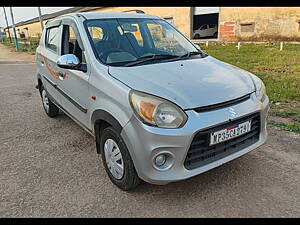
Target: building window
[[247, 27]]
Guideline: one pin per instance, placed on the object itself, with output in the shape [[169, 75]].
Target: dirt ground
[[49, 168], [11, 55]]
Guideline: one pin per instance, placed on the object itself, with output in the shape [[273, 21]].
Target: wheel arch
[[100, 120], [39, 82]]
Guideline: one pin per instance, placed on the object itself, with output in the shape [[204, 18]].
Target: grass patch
[[294, 127], [286, 112], [279, 70], [29, 47]]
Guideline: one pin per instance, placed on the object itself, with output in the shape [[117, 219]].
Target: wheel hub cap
[[113, 157], [45, 100]]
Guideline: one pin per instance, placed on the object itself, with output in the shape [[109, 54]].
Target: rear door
[[47, 59], [73, 84], [212, 29]]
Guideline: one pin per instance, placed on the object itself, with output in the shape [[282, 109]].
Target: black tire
[[197, 36], [130, 179], [53, 109]]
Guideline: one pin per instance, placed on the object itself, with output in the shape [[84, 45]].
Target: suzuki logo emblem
[[232, 113]]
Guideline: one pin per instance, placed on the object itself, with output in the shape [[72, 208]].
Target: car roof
[[109, 15]]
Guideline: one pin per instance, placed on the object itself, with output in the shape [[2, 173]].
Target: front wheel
[[117, 161], [197, 36]]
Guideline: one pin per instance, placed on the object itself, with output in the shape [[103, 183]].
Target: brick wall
[[227, 30], [259, 23]]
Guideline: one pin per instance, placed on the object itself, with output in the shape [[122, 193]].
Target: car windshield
[[123, 42]]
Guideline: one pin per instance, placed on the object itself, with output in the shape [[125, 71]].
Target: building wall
[[259, 23], [34, 29], [235, 23], [181, 15]]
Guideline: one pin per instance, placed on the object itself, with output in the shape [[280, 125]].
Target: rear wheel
[[117, 161], [50, 109]]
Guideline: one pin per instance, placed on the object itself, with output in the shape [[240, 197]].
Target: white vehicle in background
[[206, 30]]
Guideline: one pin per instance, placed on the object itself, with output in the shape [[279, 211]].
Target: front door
[[73, 84]]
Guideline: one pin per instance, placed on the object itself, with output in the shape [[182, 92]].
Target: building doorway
[[205, 22]]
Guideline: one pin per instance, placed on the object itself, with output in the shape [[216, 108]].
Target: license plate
[[230, 132]]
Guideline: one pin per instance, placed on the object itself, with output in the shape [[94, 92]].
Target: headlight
[[156, 111], [260, 89]]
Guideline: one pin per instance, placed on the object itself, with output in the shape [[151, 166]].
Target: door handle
[[61, 75]]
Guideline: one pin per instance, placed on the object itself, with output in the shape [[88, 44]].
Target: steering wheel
[[105, 54]]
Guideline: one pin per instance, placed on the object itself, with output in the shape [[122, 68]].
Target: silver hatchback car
[[160, 109]]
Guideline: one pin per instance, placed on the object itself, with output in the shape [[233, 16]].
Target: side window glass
[[70, 43], [204, 27], [72, 36], [52, 38]]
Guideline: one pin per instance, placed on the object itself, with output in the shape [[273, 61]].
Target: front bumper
[[144, 142]]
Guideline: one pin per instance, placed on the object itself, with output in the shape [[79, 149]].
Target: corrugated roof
[[56, 14]]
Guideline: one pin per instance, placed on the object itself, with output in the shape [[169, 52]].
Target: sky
[[25, 13]]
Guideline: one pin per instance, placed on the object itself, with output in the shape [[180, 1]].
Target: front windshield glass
[[120, 41]]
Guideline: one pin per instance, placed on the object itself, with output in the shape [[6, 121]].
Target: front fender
[[100, 114]]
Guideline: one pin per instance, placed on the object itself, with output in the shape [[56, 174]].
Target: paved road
[[49, 168]]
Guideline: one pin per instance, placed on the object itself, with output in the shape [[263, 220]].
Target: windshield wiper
[[189, 54], [150, 58]]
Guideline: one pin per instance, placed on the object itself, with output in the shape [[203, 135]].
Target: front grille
[[200, 153]]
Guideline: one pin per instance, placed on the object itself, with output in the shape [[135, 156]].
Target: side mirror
[[68, 61]]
